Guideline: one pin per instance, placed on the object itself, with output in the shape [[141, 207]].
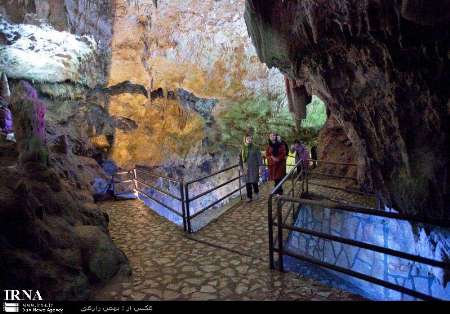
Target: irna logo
[[22, 295]]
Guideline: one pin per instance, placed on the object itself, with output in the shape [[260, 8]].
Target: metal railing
[[184, 210], [140, 175], [301, 171], [278, 223], [188, 199], [116, 179]]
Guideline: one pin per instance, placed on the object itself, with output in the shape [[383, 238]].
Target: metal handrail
[[280, 223], [189, 199], [269, 207], [212, 174], [184, 198], [160, 191], [370, 211], [333, 162], [162, 204], [147, 170], [213, 189], [367, 246], [215, 203], [286, 177], [362, 276], [416, 258]]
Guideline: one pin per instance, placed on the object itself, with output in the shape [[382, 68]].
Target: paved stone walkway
[[227, 260]]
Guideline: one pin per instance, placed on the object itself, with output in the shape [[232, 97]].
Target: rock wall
[[382, 67], [334, 145]]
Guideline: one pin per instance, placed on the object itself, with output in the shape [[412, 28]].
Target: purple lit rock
[[29, 114]]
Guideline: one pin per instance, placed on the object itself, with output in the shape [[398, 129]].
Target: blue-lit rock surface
[[384, 232]]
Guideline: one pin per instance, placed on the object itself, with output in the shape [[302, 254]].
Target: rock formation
[[53, 237], [197, 47], [383, 69]]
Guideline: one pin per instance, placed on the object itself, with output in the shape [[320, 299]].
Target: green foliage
[[262, 115], [316, 114], [265, 115]]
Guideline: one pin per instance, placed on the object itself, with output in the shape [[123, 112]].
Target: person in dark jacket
[[286, 147], [276, 158], [280, 139], [250, 162]]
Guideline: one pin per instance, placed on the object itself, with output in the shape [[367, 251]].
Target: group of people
[[276, 153]]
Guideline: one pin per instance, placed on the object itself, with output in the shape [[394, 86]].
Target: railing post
[[188, 214], [134, 180], [303, 178], [113, 185], [240, 184], [183, 204], [270, 225], [293, 176], [307, 179], [280, 235], [378, 198]]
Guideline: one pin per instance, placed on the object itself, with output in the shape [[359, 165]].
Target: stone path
[[227, 260]]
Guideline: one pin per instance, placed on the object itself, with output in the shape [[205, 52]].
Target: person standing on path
[[290, 160], [250, 162], [301, 153], [276, 158]]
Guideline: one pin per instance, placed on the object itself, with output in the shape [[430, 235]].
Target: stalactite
[[4, 90]]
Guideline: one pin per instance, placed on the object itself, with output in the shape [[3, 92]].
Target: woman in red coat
[[276, 157]]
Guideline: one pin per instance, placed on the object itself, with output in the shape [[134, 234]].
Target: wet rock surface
[[382, 68]]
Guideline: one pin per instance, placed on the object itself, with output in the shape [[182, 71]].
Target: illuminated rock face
[[201, 47], [382, 67], [164, 130]]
